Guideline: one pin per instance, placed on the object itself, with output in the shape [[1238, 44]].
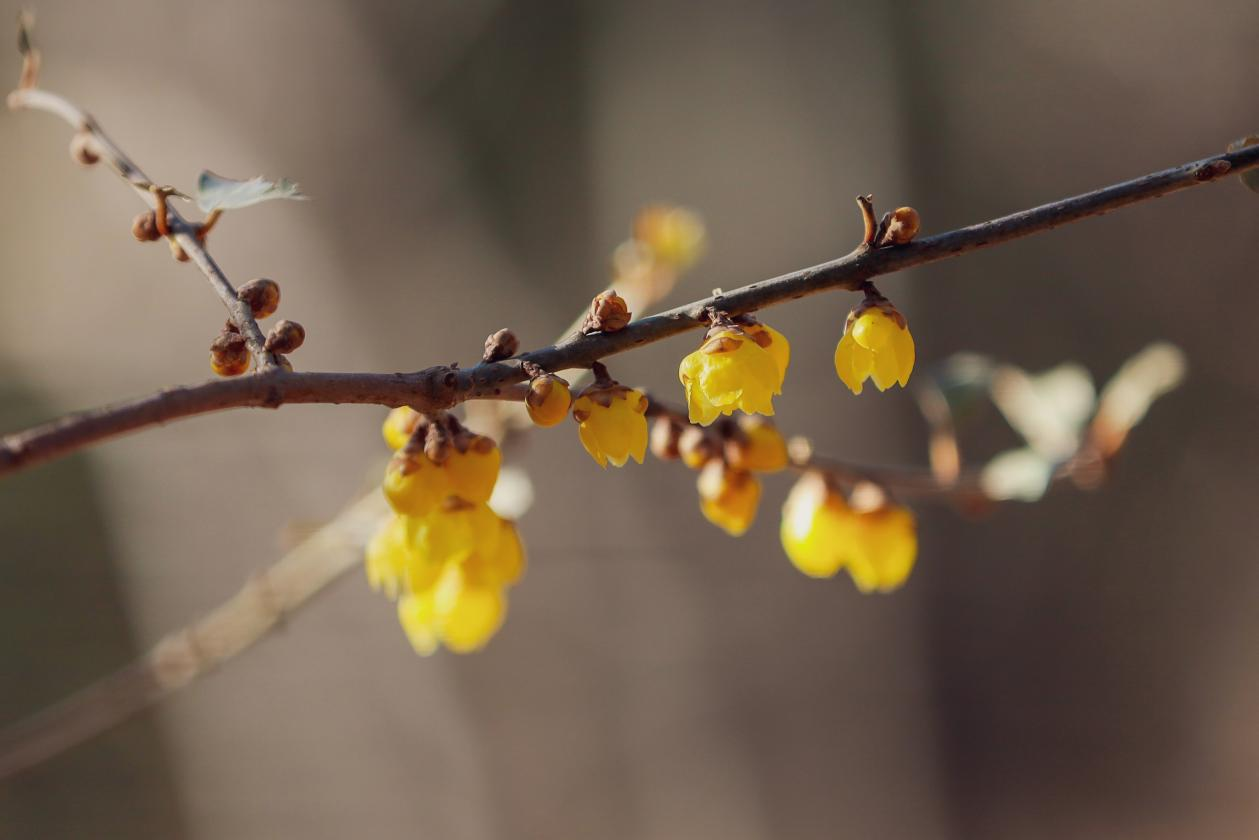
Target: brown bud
[[83, 149], [608, 313], [262, 295], [144, 227], [501, 345], [229, 355], [695, 447], [902, 227], [285, 337], [230, 326], [665, 432], [177, 251]]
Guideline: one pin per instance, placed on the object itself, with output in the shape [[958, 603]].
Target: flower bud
[[695, 447], [262, 295], [501, 345], [177, 251], [608, 313], [665, 432], [285, 337], [548, 400], [229, 355], [83, 149], [902, 227], [144, 227]]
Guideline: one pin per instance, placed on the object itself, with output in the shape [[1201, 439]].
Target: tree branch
[[444, 387]]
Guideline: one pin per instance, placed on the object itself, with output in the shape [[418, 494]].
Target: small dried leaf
[[1250, 178], [1019, 474], [214, 192]]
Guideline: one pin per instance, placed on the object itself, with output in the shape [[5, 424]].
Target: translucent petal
[[591, 442], [845, 367], [904, 344], [885, 367]]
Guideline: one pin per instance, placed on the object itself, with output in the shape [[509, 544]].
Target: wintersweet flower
[[675, 235], [875, 541], [876, 345], [612, 422], [730, 371], [728, 497]]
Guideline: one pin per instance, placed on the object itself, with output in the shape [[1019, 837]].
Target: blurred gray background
[[1082, 667]]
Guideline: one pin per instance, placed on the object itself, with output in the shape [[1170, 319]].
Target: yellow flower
[[729, 372], [611, 423], [457, 613], [757, 445], [728, 497], [675, 235], [548, 400], [876, 345], [822, 533], [414, 485], [399, 425], [473, 471]]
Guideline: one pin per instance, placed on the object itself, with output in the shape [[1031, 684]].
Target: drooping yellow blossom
[[757, 445], [675, 235], [473, 470], [876, 345], [414, 485], [450, 535], [822, 533], [548, 400], [399, 425], [728, 497], [612, 423], [455, 612], [730, 371]]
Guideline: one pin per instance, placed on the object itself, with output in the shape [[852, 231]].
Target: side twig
[[196, 650], [185, 233]]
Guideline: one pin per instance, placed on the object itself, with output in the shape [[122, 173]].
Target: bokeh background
[[1080, 667]]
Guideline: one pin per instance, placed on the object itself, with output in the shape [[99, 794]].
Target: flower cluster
[[728, 456], [822, 532], [444, 555]]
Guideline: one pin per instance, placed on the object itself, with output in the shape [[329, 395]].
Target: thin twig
[[185, 233], [196, 650]]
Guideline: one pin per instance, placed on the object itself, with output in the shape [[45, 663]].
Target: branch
[[185, 233], [196, 650], [428, 390], [440, 388]]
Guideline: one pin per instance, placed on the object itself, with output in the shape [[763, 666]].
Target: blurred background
[[1079, 667]]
